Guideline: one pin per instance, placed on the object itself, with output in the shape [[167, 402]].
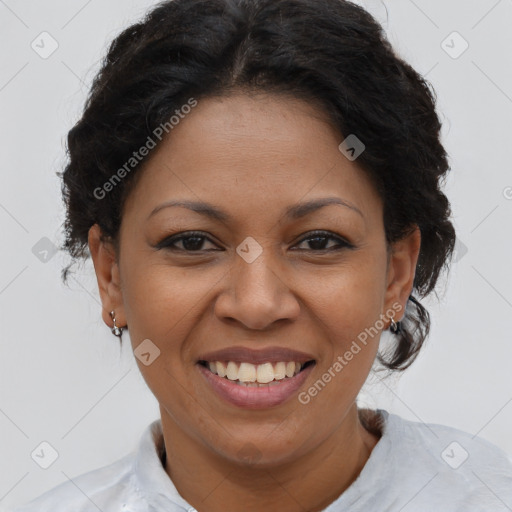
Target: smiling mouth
[[260, 375]]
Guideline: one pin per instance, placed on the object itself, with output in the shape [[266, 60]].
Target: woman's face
[[253, 275]]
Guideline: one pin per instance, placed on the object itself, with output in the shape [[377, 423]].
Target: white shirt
[[413, 467]]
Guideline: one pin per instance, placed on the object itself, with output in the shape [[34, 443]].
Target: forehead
[[252, 153]]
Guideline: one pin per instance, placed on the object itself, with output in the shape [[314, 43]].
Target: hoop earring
[[395, 327], [116, 331]]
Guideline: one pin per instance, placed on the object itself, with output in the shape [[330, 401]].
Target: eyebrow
[[293, 212]]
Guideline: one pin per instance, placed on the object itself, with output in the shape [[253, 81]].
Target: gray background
[[62, 377]]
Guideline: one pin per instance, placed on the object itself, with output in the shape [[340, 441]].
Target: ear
[[107, 273], [401, 271]]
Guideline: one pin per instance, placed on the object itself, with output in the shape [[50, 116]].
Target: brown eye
[[324, 241], [190, 242]]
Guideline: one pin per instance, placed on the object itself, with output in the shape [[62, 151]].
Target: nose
[[257, 295]]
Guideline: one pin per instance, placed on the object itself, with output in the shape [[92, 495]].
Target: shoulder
[[106, 488], [458, 447], [451, 463]]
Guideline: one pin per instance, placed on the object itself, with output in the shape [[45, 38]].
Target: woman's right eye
[[190, 242]]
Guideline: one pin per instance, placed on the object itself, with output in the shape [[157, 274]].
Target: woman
[[258, 185]]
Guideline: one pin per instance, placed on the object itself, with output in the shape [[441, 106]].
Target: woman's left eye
[[319, 241]]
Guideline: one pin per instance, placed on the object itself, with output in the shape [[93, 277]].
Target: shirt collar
[[161, 493], [154, 483]]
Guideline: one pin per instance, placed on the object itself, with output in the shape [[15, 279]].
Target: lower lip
[[255, 397]]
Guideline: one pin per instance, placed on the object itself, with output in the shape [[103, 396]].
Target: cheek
[[347, 310], [346, 300], [347, 305], [162, 301], [163, 304]]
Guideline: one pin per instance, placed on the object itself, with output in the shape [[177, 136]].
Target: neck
[[209, 481]]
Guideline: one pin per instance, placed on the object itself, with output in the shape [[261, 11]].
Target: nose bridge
[[253, 272], [257, 294]]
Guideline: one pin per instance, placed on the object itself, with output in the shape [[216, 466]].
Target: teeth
[[232, 371], [265, 373], [253, 375], [247, 373], [290, 369], [279, 371], [256, 384], [221, 369]]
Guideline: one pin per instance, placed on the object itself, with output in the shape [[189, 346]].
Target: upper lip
[[249, 355]]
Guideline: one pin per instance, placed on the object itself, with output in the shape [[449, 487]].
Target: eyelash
[[167, 243]]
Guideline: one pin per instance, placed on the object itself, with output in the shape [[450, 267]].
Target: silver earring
[[394, 327], [116, 331]]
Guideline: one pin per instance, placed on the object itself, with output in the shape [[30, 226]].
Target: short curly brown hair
[[329, 51]]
